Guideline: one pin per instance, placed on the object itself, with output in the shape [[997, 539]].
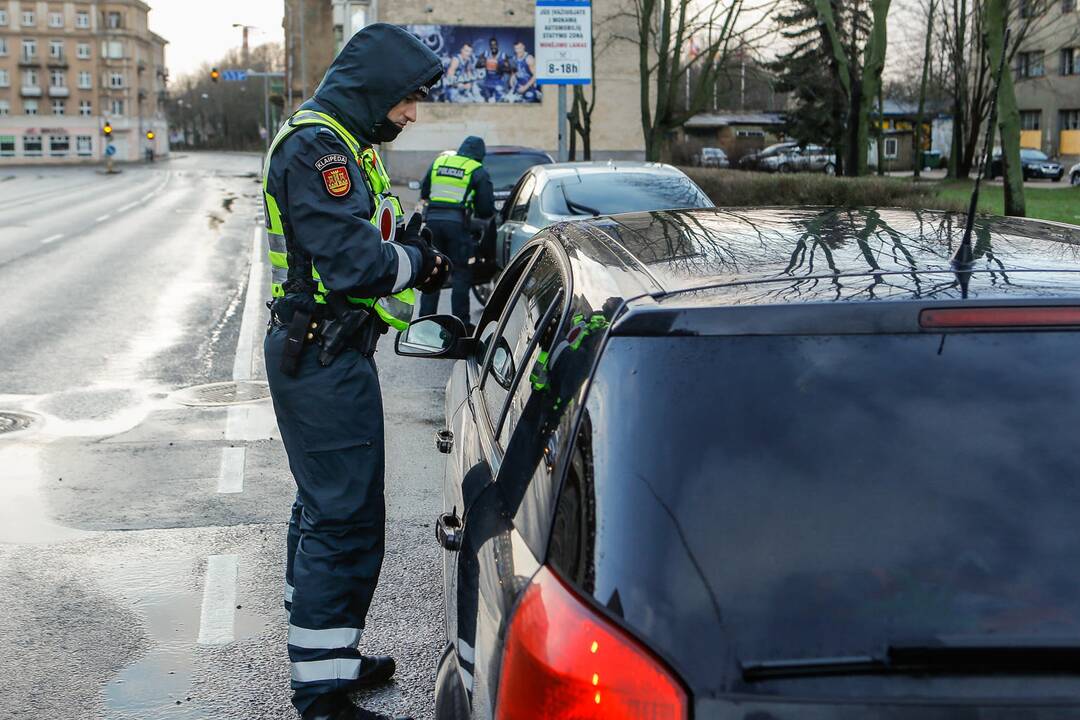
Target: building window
[[5, 79], [84, 145], [29, 50], [56, 20], [56, 49], [30, 107], [113, 50], [1030, 64], [7, 146], [117, 107], [28, 19], [82, 51], [114, 20], [30, 78], [86, 108], [31, 145], [3, 47], [5, 108], [745, 133], [3, 18], [1070, 119], [1070, 61], [58, 79], [86, 81], [1030, 119], [59, 107], [59, 145], [892, 148], [116, 80], [82, 20]]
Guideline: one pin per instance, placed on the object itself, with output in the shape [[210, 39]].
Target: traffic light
[[150, 135], [107, 130], [215, 75]]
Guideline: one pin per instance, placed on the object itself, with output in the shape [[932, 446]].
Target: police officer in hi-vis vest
[[457, 187], [343, 274]]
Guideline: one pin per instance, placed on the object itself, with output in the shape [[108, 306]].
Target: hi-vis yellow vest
[[396, 310], [450, 178]]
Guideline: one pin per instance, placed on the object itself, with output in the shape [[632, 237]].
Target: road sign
[[234, 75], [564, 42], [110, 151]]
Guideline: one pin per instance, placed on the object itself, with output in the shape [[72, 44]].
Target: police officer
[[457, 187], [338, 284]]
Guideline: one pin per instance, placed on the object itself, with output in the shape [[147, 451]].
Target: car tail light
[[986, 317], [563, 660]]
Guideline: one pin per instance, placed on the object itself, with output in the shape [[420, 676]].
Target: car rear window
[[822, 496], [506, 169], [619, 192]]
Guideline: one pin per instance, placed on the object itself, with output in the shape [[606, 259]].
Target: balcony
[[29, 61], [59, 92], [58, 62], [29, 91]]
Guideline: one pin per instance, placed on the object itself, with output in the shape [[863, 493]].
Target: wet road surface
[[142, 534]]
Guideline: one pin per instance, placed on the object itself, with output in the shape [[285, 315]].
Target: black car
[[1035, 163], [507, 163], [772, 463]]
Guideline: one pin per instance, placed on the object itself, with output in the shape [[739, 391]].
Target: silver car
[[547, 194], [1074, 175], [809, 158]]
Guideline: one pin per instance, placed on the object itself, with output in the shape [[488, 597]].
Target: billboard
[[482, 64]]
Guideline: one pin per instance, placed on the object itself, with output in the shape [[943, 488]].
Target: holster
[[299, 329]]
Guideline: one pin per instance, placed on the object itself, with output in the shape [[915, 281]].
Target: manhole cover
[[13, 422], [226, 393]]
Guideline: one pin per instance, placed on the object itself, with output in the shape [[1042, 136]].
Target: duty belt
[[305, 329]]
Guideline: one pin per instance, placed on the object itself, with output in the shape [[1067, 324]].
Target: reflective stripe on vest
[[395, 311], [450, 179]]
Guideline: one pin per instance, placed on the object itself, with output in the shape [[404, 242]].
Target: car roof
[[798, 255], [515, 150], [567, 169]]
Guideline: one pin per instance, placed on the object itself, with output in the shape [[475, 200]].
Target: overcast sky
[[201, 31]]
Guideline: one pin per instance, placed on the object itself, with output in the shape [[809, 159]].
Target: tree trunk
[[873, 64], [881, 131], [922, 90], [956, 147], [1008, 111], [841, 71]]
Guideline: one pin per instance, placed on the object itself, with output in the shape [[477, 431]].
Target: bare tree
[[686, 43], [927, 59]]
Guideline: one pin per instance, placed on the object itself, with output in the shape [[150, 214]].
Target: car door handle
[[448, 530]]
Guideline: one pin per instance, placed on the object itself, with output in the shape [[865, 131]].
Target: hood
[[473, 147], [376, 70]]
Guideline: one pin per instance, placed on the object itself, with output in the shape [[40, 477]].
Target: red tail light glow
[[563, 660], [987, 317]]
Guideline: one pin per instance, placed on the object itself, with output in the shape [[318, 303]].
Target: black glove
[[434, 266]]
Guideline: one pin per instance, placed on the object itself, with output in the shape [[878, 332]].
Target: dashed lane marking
[[231, 475], [52, 239], [216, 625], [103, 218]]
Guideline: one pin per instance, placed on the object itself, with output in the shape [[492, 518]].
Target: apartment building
[[67, 69], [1047, 69]]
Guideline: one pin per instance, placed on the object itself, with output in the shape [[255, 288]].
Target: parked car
[[507, 163], [809, 158], [570, 191], [1074, 174], [753, 160], [1035, 163], [739, 464], [713, 157]]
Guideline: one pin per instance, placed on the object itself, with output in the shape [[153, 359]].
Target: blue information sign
[[234, 75]]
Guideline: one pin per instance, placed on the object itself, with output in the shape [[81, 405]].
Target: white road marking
[[103, 218], [219, 600], [129, 206], [52, 239], [231, 475], [245, 346]]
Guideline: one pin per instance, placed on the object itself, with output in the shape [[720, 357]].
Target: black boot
[[338, 706], [374, 670]]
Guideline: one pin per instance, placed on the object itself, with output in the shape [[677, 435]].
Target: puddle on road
[[23, 512], [159, 685]]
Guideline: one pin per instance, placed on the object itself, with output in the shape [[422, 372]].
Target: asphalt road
[[142, 539]]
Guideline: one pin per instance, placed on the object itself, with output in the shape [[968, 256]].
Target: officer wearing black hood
[[343, 274], [457, 187]]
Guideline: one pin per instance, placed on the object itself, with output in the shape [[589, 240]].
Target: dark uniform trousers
[[454, 239], [331, 423]]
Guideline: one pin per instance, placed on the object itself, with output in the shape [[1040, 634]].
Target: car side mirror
[[436, 337], [414, 184]]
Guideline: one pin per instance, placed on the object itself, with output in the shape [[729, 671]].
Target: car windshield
[[619, 192], [1034, 155], [835, 493], [507, 168], [778, 148]]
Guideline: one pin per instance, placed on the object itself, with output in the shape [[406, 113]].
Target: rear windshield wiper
[[578, 208], [968, 657]]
